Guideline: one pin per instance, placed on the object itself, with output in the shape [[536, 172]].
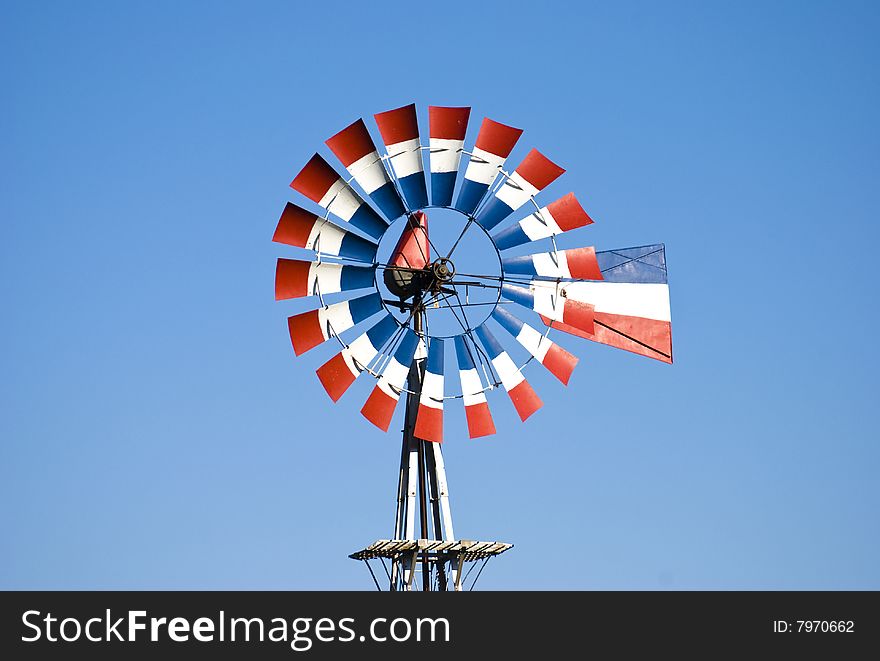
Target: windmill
[[382, 311]]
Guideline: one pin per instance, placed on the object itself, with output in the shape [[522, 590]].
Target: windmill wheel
[[391, 293]]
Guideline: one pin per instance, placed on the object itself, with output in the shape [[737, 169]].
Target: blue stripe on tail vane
[[645, 264]]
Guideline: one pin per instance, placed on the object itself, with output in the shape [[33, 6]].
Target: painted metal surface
[[548, 300], [447, 128], [309, 329], [631, 306], [303, 229], [533, 175], [380, 405], [579, 263], [295, 278], [429, 422], [525, 399], [563, 215], [355, 148], [476, 408], [338, 373], [559, 362], [400, 133], [494, 143], [413, 249], [319, 182]]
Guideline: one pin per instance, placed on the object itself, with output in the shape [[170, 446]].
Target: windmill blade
[[338, 373], [319, 182], [295, 278], [380, 405], [309, 329], [447, 129], [303, 229], [354, 146], [547, 299], [533, 175], [563, 215], [429, 419], [494, 143], [525, 399], [559, 362], [400, 133], [476, 408], [579, 263], [631, 305]]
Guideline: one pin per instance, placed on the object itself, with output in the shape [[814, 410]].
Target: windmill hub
[[443, 269]]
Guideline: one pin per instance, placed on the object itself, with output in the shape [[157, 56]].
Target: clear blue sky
[[157, 432]]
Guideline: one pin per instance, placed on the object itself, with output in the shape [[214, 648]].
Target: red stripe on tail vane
[[646, 337]]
